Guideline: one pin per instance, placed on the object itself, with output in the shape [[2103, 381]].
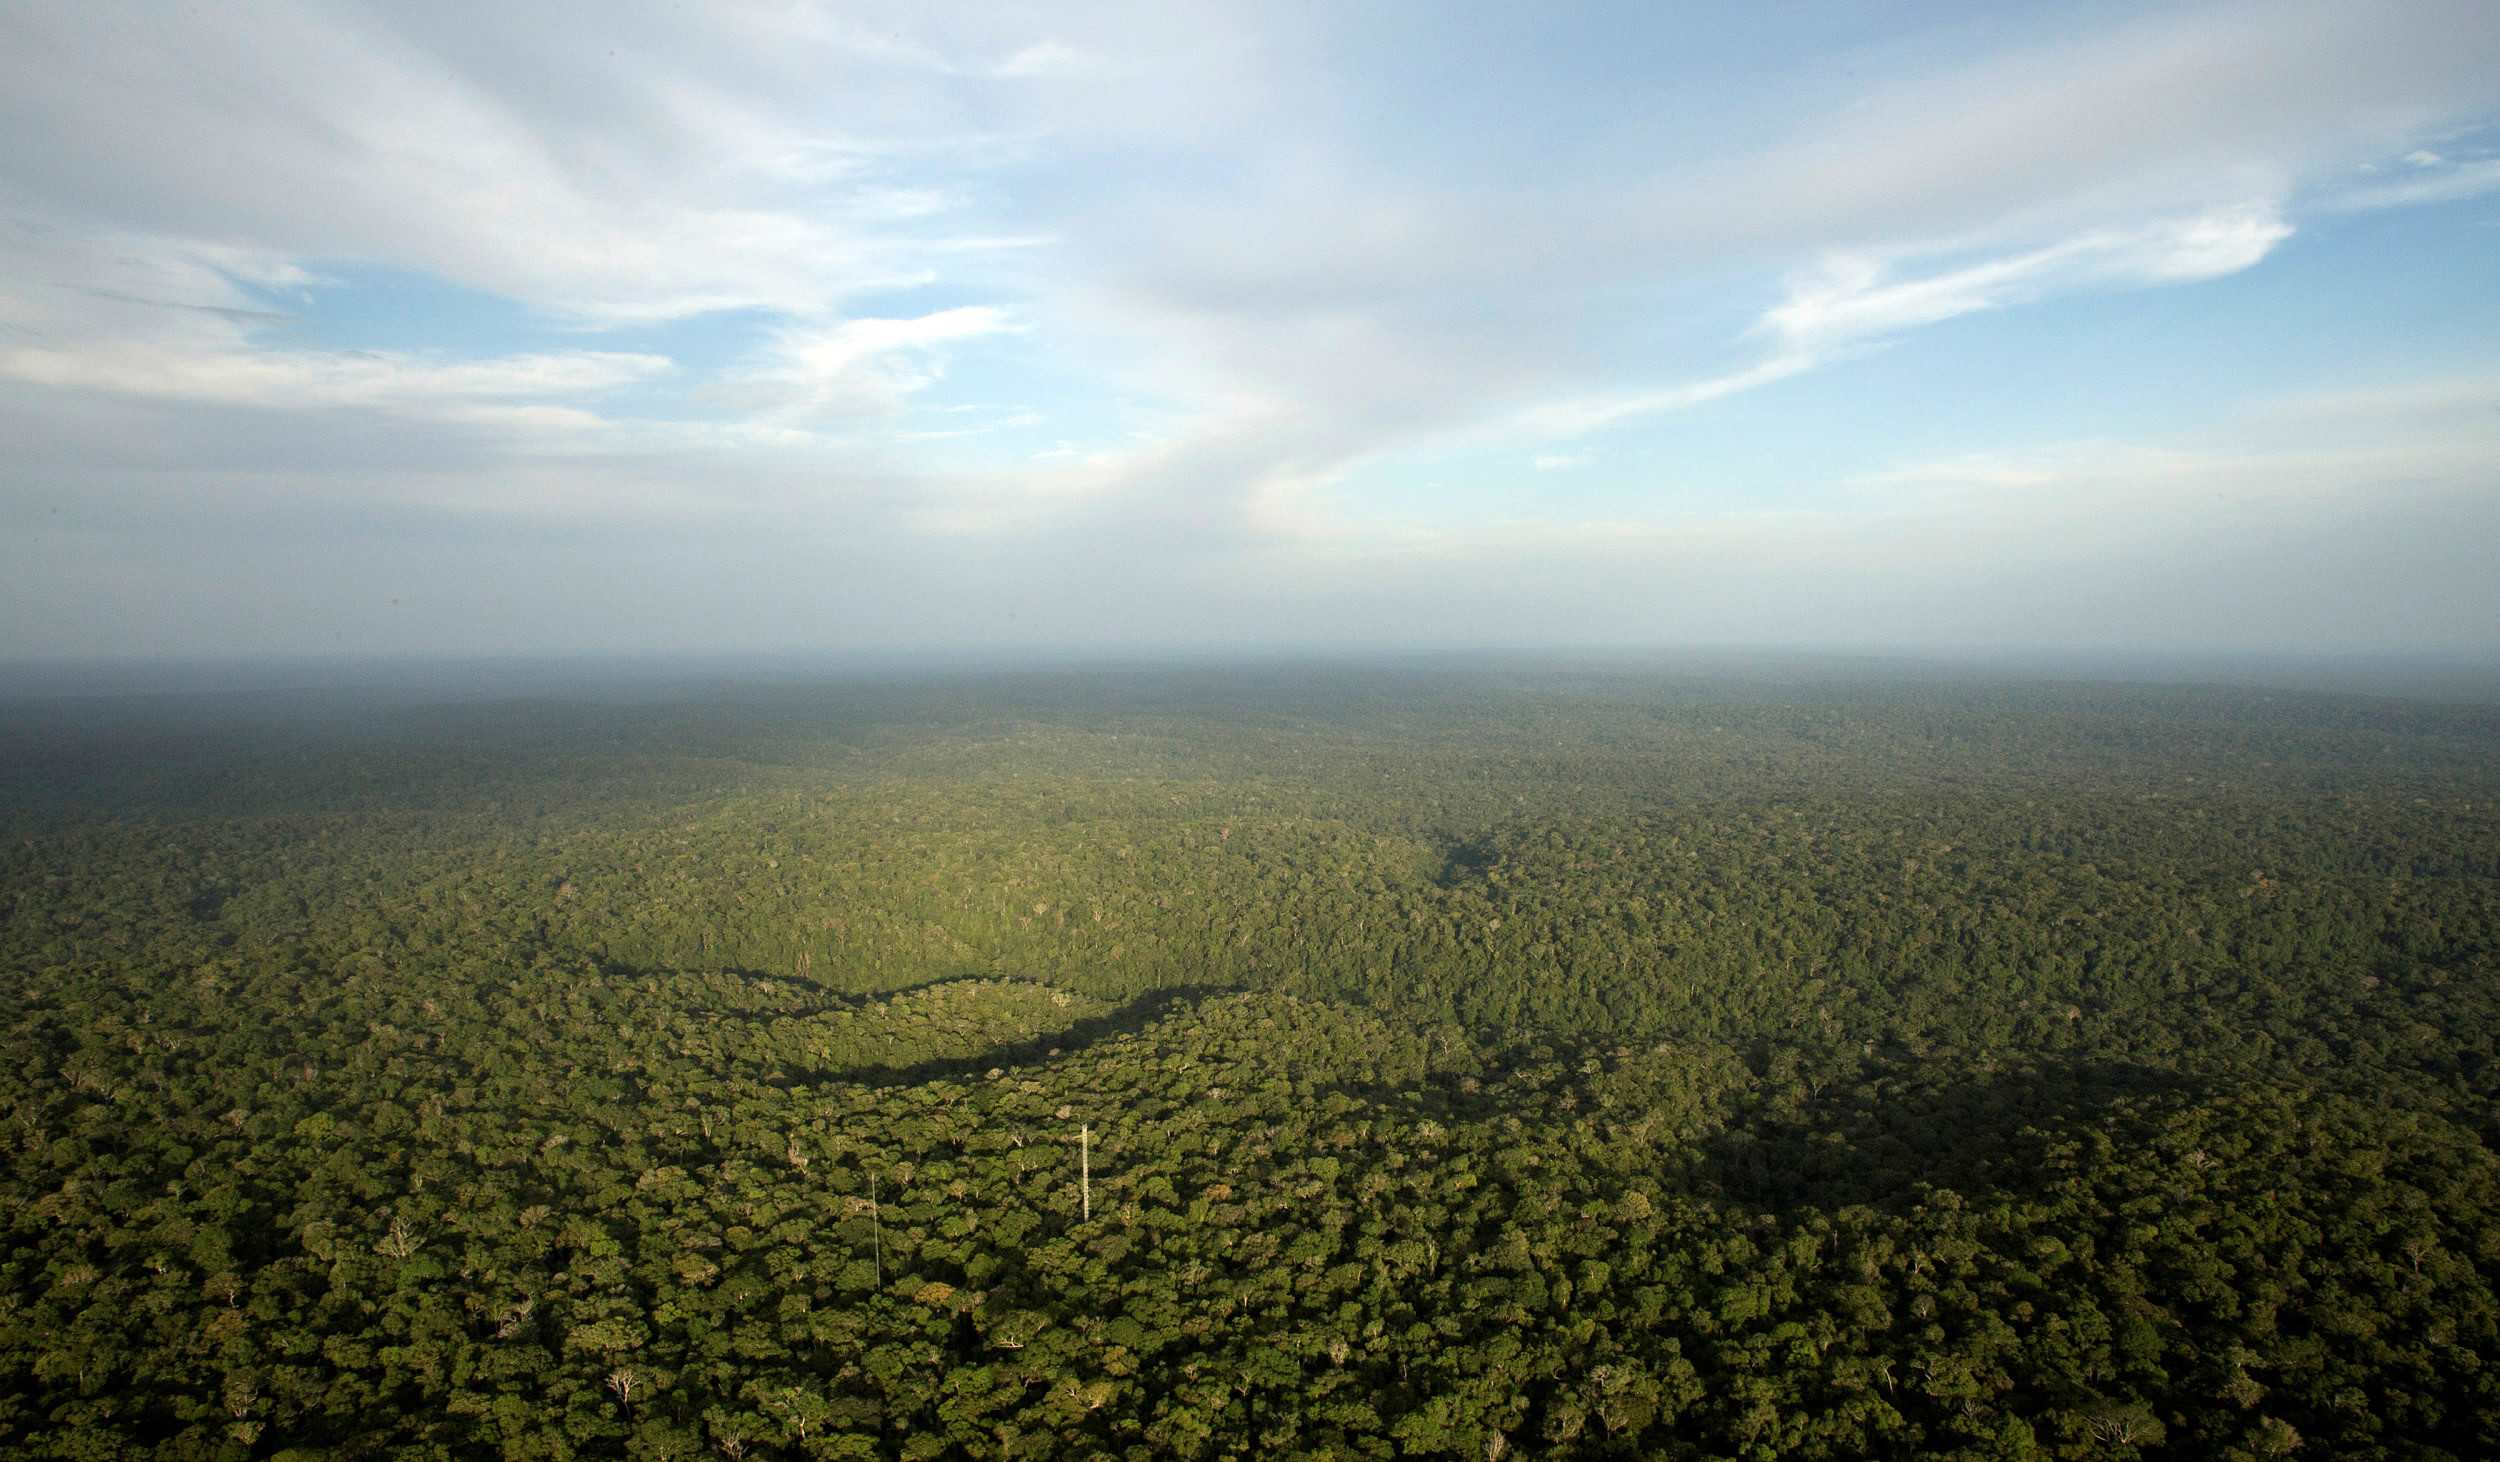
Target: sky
[[492, 329]]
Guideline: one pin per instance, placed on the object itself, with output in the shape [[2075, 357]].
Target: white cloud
[[829, 352], [670, 170], [2345, 444], [1049, 59], [1856, 298], [2360, 532], [2436, 402], [1965, 185], [1563, 461], [1973, 469], [1580, 417], [859, 367], [1852, 301], [299, 379], [165, 320], [1010, 421], [991, 243], [2455, 184]]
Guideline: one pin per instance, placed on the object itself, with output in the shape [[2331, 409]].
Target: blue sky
[[485, 329]]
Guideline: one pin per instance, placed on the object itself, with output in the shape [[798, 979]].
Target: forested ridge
[[1469, 1062]]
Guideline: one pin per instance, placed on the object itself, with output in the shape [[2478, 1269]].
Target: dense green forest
[[1347, 1061]]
